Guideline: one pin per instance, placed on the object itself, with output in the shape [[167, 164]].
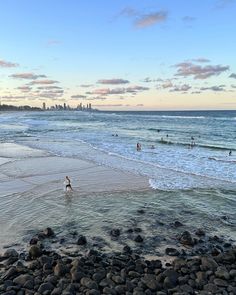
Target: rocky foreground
[[40, 271]]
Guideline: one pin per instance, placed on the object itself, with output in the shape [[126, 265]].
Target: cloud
[[50, 87], [129, 11], [167, 84], [186, 69], [135, 89], [151, 19], [7, 64], [46, 81], [50, 94], [108, 105], [28, 76], [109, 91], [201, 59], [223, 3], [78, 96], [24, 88], [182, 88], [233, 75], [86, 85], [147, 80], [53, 42], [233, 86], [188, 19], [112, 81], [139, 105], [213, 88], [12, 97]]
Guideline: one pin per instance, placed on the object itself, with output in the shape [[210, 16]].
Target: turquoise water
[[195, 184]]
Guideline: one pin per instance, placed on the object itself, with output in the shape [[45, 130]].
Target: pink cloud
[[7, 64], [151, 19]]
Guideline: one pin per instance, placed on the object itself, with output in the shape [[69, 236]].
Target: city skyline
[[119, 55]]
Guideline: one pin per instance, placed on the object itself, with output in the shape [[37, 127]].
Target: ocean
[[184, 154]]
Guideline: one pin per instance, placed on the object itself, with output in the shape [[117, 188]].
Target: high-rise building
[[44, 106]]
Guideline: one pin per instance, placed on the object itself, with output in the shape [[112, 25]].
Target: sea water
[[185, 156]]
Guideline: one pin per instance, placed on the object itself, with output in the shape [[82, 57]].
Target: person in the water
[[67, 183], [230, 152], [138, 147]]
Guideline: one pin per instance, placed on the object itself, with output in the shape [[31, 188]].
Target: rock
[[187, 289], [99, 275], [150, 281], [88, 283], [178, 223], [10, 253], [9, 273], [186, 239], [45, 287], [115, 232], [127, 249], [137, 230], [22, 279], [118, 280], [81, 240], [200, 232], [226, 258], [138, 239], [35, 252], [172, 252], [60, 269], [220, 283], [208, 263], [222, 273], [34, 241], [48, 232], [232, 273], [140, 211]]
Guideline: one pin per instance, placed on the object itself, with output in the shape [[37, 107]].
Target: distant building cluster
[[56, 107], [66, 107]]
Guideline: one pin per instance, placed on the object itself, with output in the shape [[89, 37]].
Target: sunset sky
[[119, 55]]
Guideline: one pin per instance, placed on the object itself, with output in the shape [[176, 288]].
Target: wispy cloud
[[7, 64], [151, 19], [49, 87], [223, 3], [135, 89], [188, 19], [13, 97], [201, 60], [112, 81], [27, 76], [53, 42], [167, 84], [213, 88], [86, 85], [186, 69], [182, 88], [107, 91], [233, 75], [46, 81], [108, 105], [78, 96], [24, 88]]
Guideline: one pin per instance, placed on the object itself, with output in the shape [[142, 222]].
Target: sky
[[119, 55]]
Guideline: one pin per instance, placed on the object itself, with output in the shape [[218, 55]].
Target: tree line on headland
[[5, 107]]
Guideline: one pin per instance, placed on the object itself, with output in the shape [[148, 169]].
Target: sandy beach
[[35, 171]]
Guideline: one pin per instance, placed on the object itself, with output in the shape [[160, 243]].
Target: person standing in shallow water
[[67, 183], [138, 147]]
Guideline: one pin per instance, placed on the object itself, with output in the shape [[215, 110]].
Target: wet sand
[[33, 170]]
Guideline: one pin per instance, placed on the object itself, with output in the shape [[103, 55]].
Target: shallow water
[[195, 186]]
